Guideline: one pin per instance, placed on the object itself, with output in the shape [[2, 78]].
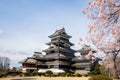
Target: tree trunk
[[115, 75]]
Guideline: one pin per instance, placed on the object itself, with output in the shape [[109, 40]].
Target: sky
[[26, 24]]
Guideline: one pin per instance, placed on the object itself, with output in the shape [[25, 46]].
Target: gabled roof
[[85, 49], [29, 60], [61, 32], [33, 59], [22, 61], [38, 55]]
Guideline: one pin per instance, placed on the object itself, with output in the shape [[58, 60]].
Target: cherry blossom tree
[[104, 32]]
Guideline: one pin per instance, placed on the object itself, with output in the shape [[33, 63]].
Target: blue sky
[[26, 24]]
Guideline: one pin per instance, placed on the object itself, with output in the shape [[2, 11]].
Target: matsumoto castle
[[60, 57]]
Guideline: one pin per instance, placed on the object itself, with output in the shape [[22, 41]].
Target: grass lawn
[[46, 78]]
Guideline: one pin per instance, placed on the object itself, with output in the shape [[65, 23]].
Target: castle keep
[[59, 56]]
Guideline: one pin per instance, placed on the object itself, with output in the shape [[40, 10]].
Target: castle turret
[[84, 63]]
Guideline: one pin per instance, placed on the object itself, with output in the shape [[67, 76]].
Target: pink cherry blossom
[[104, 31]]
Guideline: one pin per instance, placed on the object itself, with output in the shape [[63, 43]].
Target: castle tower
[[59, 54]]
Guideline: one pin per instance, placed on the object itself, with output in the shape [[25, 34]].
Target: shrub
[[62, 75], [91, 73], [49, 73], [26, 74], [34, 73], [72, 75], [2, 75], [99, 77], [68, 74], [78, 75], [54, 75], [40, 74], [96, 70], [13, 73], [86, 75]]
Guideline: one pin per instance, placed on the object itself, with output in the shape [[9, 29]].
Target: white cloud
[[19, 48], [15, 56]]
